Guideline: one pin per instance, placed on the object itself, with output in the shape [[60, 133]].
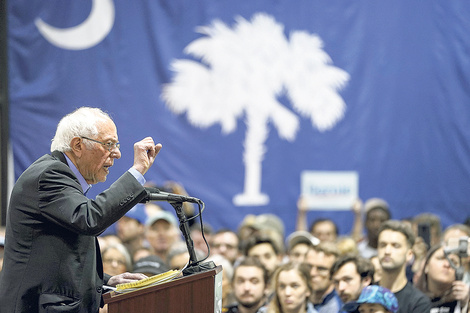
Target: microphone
[[154, 194]]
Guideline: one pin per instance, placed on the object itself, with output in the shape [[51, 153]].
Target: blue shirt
[[331, 303], [81, 179]]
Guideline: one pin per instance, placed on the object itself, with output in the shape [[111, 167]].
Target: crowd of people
[[56, 258], [382, 266]]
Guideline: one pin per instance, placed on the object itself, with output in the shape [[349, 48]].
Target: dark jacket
[[52, 261]]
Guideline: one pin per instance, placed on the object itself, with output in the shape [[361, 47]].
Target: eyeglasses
[[320, 269], [111, 261], [110, 146], [226, 245]]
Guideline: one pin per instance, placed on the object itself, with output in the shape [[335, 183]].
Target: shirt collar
[[81, 179], [326, 299]]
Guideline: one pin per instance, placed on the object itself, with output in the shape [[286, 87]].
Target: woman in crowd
[[116, 259], [292, 287], [437, 280]]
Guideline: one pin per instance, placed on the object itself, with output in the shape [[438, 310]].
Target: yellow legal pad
[[149, 281]]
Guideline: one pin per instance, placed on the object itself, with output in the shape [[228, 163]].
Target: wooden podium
[[196, 293]]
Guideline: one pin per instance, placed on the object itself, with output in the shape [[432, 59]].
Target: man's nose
[[387, 249], [247, 285], [116, 153]]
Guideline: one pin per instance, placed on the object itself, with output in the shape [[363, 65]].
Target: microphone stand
[[193, 266]]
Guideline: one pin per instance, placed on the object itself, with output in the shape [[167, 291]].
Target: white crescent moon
[[85, 35]]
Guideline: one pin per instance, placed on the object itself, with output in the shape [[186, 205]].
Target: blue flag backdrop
[[245, 95]]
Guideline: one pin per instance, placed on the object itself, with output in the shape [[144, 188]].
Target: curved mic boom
[[154, 194]]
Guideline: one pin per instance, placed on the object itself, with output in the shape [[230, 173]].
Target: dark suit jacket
[[52, 261]]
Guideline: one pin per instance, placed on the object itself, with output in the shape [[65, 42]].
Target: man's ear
[[77, 145], [366, 281], [267, 290], [409, 255]]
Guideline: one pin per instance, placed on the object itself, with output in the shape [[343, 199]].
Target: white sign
[[325, 190]]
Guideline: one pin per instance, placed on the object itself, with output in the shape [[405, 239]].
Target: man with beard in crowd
[[322, 257], [249, 284], [395, 244], [350, 274]]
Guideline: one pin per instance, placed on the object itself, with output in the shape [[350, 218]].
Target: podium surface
[[197, 293]]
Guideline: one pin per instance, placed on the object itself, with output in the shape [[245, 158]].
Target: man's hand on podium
[[125, 278]]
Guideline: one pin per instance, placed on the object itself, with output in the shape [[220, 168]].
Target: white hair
[[121, 249], [81, 122], [226, 265]]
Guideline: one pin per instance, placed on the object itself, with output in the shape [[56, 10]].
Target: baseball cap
[[269, 221], [151, 264], [374, 294], [301, 236], [376, 203], [138, 213], [248, 221], [162, 215]]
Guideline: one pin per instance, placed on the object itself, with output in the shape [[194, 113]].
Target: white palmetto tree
[[242, 73]]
